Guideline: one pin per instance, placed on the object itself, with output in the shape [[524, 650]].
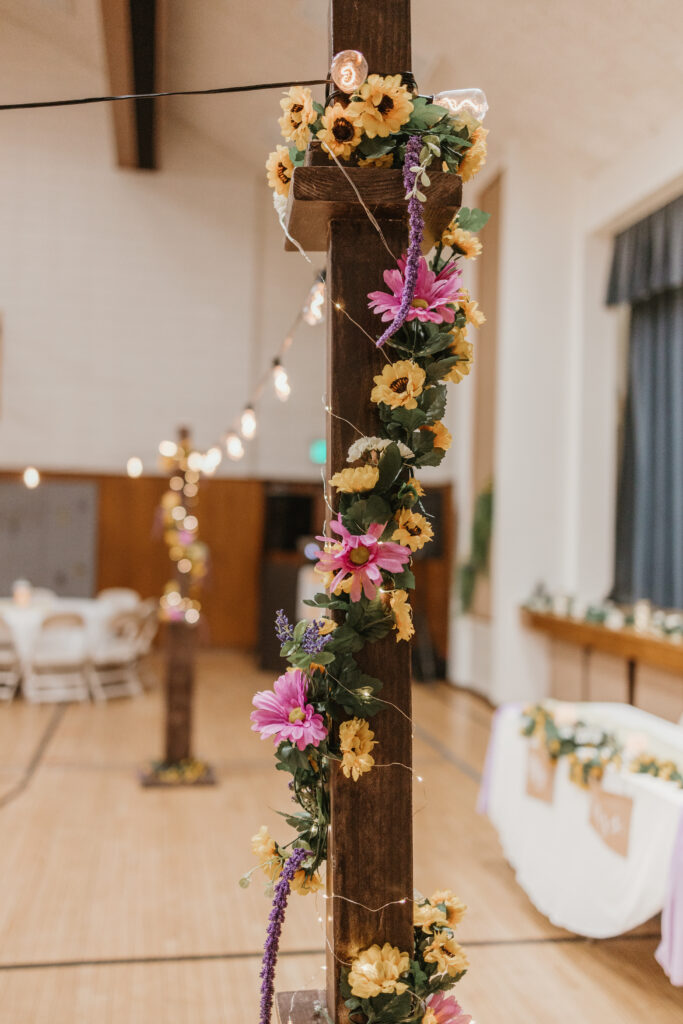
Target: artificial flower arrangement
[[318, 713], [590, 749], [371, 128], [190, 555]]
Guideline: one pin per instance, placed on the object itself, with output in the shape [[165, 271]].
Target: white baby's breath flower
[[375, 444]]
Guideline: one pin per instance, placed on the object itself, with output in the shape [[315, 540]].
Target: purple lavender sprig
[[275, 922], [311, 641], [416, 231]]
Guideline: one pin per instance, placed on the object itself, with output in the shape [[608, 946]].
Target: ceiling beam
[[132, 36]]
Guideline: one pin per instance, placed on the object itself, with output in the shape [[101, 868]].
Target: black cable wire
[[158, 95]]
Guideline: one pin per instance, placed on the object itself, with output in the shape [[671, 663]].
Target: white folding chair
[[113, 668], [120, 598], [57, 669], [10, 667]]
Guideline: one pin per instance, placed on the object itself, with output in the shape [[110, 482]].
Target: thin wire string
[[80, 101]]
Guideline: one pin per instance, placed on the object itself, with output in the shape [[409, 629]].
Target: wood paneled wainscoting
[[130, 551]]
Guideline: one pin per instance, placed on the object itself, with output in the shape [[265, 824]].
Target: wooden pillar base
[[305, 1007]]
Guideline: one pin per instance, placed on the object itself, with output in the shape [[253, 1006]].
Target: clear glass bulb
[[212, 460], [134, 466], [463, 101], [349, 70], [234, 446], [313, 311], [195, 460], [248, 423], [168, 449], [281, 382], [31, 477]]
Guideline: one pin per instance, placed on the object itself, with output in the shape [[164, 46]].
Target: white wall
[[558, 378], [133, 302]]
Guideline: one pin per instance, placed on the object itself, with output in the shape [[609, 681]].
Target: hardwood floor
[[122, 906]]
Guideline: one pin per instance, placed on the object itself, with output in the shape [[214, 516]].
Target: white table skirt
[[25, 622], [564, 866]]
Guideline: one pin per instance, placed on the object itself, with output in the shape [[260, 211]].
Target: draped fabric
[[649, 543], [648, 257]]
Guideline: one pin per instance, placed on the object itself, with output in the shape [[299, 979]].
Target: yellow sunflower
[[327, 626], [474, 158], [447, 954], [465, 241], [426, 915], [280, 169], [386, 105], [360, 478], [399, 384], [403, 616], [386, 160], [464, 350], [419, 489], [341, 131], [265, 850], [455, 908], [430, 1017], [377, 970], [414, 530], [298, 114], [442, 436], [470, 308], [356, 741]]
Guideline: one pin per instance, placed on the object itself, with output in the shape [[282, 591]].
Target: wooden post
[[370, 846]]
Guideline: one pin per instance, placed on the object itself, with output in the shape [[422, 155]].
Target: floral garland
[[319, 710], [590, 749], [190, 556]]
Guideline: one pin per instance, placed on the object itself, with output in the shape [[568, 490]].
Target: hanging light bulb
[[248, 423], [195, 461], [349, 70], [234, 446], [168, 449], [281, 381], [463, 101], [212, 460], [31, 477], [313, 310], [134, 466]]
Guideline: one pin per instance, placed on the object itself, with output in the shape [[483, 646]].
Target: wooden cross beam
[[370, 847], [132, 35]]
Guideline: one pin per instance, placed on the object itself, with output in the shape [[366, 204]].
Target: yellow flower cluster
[[298, 114], [438, 916], [356, 741], [378, 970], [403, 616], [399, 384], [270, 860], [442, 435], [447, 954], [381, 107], [470, 308], [475, 157], [466, 242], [355, 480], [413, 531], [280, 169], [464, 350]]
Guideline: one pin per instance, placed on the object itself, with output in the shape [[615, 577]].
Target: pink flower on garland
[[361, 556], [285, 715], [434, 298], [445, 1010]]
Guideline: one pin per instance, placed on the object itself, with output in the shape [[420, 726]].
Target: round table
[[25, 620]]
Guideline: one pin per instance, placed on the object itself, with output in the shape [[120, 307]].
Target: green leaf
[[433, 402], [440, 368], [390, 465], [371, 148], [405, 580], [472, 220], [425, 115], [410, 419]]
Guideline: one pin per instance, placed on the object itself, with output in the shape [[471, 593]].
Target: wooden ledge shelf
[[623, 643], [320, 194]]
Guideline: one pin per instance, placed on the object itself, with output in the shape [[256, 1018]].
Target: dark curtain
[[647, 271]]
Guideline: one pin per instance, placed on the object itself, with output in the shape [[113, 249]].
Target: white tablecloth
[[25, 622], [562, 863]]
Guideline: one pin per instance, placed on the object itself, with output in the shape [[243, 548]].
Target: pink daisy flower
[[361, 556], [285, 715], [434, 295], [447, 1010]]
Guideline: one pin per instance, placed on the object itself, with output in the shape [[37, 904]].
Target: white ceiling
[[592, 79]]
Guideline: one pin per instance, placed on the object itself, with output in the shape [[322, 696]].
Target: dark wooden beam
[[132, 39]]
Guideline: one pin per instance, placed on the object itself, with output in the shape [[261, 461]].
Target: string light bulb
[[313, 310], [248, 423], [234, 446], [281, 381], [168, 449], [463, 101], [212, 460], [348, 70], [31, 477], [134, 467]]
